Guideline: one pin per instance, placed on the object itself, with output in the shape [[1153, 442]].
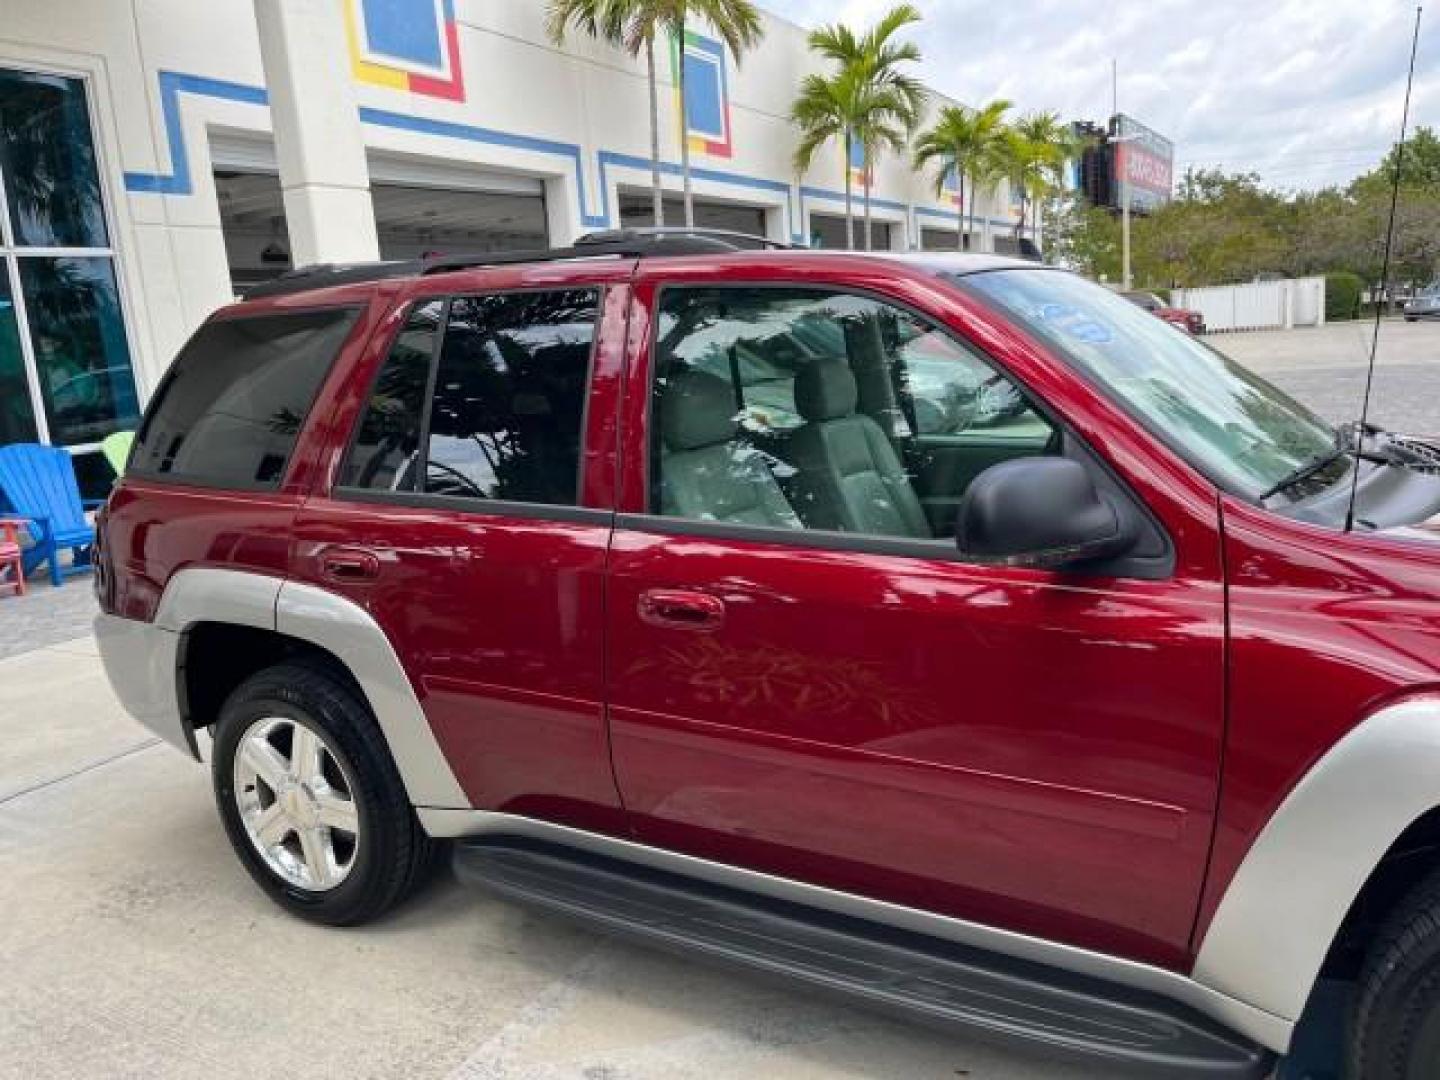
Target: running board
[[960, 988]]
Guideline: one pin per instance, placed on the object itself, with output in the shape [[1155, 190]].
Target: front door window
[[65, 368], [811, 409]]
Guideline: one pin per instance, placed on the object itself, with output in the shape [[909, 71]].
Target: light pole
[[1124, 214]]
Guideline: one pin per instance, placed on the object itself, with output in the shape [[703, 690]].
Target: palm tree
[[963, 142], [827, 109], [1039, 147], [634, 25], [894, 99]]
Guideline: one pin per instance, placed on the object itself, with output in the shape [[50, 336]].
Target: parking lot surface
[[134, 945], [1325, 369]]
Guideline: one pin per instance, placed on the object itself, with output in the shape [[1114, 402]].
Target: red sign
[[1145, 170]]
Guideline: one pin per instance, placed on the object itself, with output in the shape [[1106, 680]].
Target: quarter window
[[812, 409], [232, 405]]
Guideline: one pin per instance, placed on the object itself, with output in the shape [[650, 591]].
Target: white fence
[[1261, 305]]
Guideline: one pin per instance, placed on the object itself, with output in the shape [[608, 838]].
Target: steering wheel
[[459, 482]]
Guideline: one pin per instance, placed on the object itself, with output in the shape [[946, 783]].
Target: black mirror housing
[[1039, 512]]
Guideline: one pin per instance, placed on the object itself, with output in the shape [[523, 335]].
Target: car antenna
[[1384, 277]]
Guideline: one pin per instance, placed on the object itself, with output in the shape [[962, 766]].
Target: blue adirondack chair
[[37, 483]]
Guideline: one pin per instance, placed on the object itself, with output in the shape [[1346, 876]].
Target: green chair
[[116, 448]]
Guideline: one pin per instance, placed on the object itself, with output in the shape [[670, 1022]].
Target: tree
[[1419, 165], [635, 25], [1035, 156], [831, 107], [1025, 166], [963, 142], [886, 100]]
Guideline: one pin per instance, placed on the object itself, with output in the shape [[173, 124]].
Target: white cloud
[[1304, 93]]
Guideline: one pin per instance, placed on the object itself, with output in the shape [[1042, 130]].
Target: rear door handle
[[681, 609], [350, 564]]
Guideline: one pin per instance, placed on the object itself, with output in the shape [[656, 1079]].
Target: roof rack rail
[[612, 243], [728, 239], [324, 275]]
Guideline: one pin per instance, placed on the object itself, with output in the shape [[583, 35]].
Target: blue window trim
[[179, 180]]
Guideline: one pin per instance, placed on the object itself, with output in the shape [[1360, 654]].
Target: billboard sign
[[1146, 160]]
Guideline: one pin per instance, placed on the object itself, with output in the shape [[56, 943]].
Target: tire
[[358, 861], [1395, 1025]]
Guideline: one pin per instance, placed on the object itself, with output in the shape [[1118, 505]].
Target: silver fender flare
[[339, 626], [1281, 911]]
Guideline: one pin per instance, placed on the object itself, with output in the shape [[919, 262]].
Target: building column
[[318, 142]]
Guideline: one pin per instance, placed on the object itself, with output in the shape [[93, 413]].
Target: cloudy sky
[[1304, 93]]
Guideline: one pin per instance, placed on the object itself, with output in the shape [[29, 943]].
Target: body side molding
[[1281, 911], [209, 594], [345, 629], [1268, 1030], [142, 658]]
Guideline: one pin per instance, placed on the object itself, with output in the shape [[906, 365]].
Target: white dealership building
[[158, 155]]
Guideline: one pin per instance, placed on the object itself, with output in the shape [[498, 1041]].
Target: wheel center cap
[[300, 806]]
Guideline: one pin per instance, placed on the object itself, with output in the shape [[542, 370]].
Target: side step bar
[[965, 989]]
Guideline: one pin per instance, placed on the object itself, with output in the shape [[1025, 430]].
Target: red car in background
[[1191, 321]]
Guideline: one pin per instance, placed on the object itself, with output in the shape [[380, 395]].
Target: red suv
[[939, 628]]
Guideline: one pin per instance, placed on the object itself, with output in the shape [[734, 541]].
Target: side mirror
[[1040, 512]]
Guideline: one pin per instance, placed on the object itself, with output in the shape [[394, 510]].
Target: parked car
[[1190, 321], [936, 628], [1425, 304]]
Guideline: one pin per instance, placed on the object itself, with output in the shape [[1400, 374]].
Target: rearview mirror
[[1040, 512]]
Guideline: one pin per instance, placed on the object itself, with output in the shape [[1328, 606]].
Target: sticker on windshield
[[1076, 323]]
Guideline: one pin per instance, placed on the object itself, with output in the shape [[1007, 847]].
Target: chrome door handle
[[681, 609], [350, 564]]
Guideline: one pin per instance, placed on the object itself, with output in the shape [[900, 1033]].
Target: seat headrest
[[698, 409], [825, 389]]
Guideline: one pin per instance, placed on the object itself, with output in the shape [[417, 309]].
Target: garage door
[[636, 211], [420, 208], [828, 231]]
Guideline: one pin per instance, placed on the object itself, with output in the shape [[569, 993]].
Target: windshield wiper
[[1305, 470]]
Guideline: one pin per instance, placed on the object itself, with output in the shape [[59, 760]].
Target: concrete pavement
[[1325, 369], [134, 945]]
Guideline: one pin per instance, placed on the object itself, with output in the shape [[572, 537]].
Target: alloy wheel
[[296, 803]]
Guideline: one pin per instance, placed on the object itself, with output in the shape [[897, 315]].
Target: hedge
[[1342, 296]]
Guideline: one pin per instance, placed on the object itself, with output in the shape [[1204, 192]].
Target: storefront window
[[47, 155], [17, 416], [79, 343], [62, 335]]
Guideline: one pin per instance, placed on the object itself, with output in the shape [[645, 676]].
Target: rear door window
[[509, 404], [504, 417], [228, 412], [386, 450]]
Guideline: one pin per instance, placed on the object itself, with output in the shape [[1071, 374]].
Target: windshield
[[1239, 430]]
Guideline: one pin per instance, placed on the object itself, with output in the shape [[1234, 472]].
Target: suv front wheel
[[310, 797], [1395, 1029]]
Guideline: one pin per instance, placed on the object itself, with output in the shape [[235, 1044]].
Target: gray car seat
[[850, 478], [706, 472]]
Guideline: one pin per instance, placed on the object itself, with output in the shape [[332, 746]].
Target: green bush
[[1342, 296], [1162, 293]]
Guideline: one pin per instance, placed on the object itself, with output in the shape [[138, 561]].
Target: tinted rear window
[[230, 408]]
